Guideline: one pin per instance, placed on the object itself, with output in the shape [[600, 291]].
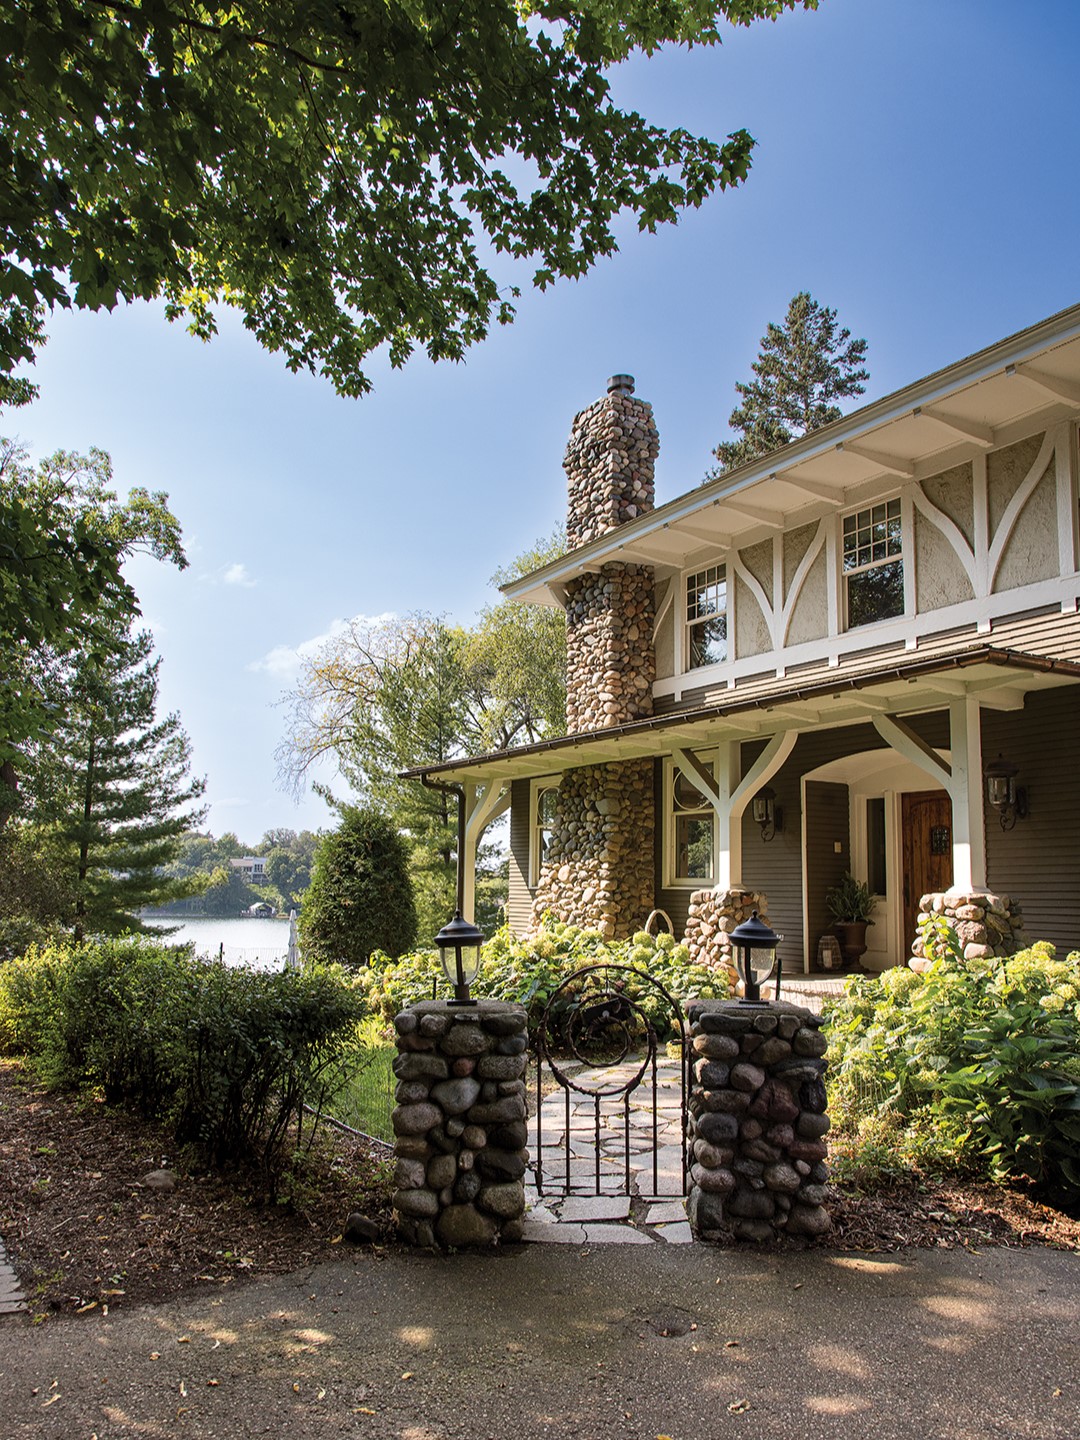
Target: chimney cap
[[620, 385]]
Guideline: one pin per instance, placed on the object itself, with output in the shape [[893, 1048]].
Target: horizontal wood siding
[[519, 897], [1038, 861], [827, 816]]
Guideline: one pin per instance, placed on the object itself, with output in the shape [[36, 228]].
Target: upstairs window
[[873, 563], [706, 617]]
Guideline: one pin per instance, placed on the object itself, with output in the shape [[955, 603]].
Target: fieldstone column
[[757, 1117], [460, 1123], [712, 916], [987, 925]]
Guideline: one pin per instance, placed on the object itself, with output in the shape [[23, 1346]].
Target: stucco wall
[[939, 577], [751, 628], [1006, 470], [953, 493], [810, 617], [1032, 549], [664, 635]]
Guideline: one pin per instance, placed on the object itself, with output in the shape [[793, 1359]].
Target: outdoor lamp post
[[755, 956], [459, 950]]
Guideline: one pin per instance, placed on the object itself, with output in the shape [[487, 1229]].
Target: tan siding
[[519, 897], [1038, 861]]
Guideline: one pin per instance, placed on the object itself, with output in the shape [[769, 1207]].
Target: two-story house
[[835, 657]]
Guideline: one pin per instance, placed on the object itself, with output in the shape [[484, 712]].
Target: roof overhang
[[999, 394], [899, 683]]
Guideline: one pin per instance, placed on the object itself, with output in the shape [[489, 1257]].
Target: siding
[[519, 896], [1038, 861], [827, 823]]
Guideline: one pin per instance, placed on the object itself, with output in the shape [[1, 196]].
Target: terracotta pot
[[852, 937]]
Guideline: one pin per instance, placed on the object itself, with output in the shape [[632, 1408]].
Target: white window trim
[[686, 625], [543, 782], [668, 878], [906, 558]]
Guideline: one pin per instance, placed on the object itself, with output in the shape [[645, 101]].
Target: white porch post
[[483, 804], [729, 824], [965, 791]]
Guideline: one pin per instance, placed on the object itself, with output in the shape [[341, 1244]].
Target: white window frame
[[670, 880], [688, 624], [904, 556], [536, 789]]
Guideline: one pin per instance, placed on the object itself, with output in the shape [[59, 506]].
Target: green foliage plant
[[971, 1065], [228, 1057], [360, 899], [850, 900], [529, 970]]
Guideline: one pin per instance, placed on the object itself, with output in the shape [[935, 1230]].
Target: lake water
[[259, 944]]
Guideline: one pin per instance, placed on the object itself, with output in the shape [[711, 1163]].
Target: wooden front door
[[927, 827]]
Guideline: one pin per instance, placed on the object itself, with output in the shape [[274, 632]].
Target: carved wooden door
[[927, 850]]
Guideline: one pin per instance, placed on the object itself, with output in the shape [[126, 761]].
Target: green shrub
[[361, 893], [228, 1057], [529, 971], [972, 1064]]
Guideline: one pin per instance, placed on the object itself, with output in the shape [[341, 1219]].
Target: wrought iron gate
[[616, 1123]]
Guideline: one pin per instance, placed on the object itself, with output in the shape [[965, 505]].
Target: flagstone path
[[11, 1296]]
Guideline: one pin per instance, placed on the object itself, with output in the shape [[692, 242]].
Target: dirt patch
[[84, 1232]]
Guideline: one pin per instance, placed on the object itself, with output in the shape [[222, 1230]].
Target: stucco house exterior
[[806, 666]]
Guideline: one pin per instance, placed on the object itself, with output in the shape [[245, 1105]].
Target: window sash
[[706, 617]]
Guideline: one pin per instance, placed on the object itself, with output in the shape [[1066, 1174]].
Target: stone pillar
[[712, 916], [986, 924], [757, 1121], [601, 872], [459, 1123]]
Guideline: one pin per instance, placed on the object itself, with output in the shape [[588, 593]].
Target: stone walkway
[[572, 1213], [11, 1296]]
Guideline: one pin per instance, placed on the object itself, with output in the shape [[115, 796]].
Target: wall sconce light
[[1003, 795], [767, 813]]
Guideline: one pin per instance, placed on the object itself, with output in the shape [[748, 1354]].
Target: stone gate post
[[459, 1123]]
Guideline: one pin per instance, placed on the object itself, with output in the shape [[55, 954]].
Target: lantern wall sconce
[[754, 946], [1003, 795], [459, 951], [767, 813]]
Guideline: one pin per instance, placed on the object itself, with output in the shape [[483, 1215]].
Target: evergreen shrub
[[971, 1065], [228, 1057]]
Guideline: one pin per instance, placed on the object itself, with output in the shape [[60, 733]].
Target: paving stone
[[678, 1234], [666, 1212], [595, 1207], [615, 1235], [537, 1231]]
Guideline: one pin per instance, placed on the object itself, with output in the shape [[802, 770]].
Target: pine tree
[[112, 789], [804, 366]]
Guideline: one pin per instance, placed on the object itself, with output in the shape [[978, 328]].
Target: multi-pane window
[[706, 617], [873, 564], [545, 801], [692, 831]]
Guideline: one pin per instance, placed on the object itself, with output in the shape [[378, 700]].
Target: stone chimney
[[610, 661]]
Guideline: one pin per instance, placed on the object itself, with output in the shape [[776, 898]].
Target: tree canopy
[[803, 368], [339, 171]]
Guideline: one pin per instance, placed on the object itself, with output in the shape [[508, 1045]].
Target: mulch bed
[[85, 1233]]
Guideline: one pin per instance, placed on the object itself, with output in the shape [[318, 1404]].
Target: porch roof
[[1028, 381], [1027, 653]]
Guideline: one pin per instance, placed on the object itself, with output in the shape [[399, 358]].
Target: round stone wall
[[986, 924], [712, 916]]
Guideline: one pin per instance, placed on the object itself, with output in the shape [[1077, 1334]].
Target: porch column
[[966, 792], [483, 804]]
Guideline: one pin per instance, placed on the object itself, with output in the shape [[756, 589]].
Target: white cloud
[[238, 575], [284, 661]]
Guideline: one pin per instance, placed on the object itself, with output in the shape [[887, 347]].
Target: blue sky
[[915, 170]]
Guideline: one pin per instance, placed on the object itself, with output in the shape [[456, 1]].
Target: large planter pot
[[852, 937]]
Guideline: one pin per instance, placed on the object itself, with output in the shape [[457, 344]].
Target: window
[[691, 829], [706, 617], [545, 799], [873, 564], [877, 869]]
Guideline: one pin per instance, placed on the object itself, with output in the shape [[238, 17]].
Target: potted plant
[[851, 905]]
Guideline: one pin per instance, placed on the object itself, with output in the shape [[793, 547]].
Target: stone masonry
[[599, 870], [986, 924], [603, 838], [712, 916], [757, 1121], [459, 1123]]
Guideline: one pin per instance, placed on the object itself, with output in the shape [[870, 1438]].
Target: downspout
[[448, 788]]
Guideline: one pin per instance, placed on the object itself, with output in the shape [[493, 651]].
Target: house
[[833, 658], [252, 867]]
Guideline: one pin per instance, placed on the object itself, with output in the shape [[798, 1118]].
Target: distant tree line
[[219, 888]]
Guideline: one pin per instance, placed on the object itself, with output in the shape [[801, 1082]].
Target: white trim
[[541, 782], [684, 762]]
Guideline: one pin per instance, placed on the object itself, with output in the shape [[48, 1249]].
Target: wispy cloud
[[284, 661], [238, 575]]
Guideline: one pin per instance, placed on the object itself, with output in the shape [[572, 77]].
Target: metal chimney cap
[[621, 385]]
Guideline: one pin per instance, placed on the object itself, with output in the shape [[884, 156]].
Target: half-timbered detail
[[847, 633]]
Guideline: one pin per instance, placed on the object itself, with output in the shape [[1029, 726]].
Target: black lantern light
[[459, 950], [1003, 794], [754, 945], [767, 813]]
